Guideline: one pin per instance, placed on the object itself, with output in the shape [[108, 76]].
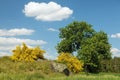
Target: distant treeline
[[112, 65]]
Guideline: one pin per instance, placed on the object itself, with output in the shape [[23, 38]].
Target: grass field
[[40, 70], [38, 76]]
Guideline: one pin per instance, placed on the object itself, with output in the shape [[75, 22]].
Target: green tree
[[72, 36], [91, 46], [93, 50]]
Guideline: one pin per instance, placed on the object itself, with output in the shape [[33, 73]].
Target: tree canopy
[[91, 46], [72, 36], [93, 50]]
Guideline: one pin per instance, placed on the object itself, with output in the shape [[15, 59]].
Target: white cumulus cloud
[[115, 52], [16, 32], [52, 29], [47, 11], [48, 54], [4, 54], [117, 35], [14, 41], [8, 44]]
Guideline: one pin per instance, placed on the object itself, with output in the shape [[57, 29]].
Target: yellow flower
[[71, 61], [27, 54]]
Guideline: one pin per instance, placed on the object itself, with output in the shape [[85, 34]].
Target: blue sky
[[37, 22]]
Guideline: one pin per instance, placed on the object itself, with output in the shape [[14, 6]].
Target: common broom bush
[[24, 53], [71, 61]]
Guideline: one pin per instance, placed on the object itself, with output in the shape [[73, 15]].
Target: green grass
[[8, 66], [82, 76], [20, 76], [58, 76], [41, 70]]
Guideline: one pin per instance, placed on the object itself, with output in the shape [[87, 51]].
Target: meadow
[[58, 76], [41, 70]]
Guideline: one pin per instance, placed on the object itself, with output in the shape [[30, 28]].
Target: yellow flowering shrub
[[71, 61], [27, 54]]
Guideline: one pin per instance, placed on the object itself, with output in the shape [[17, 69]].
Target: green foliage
[[27, 54], [72, 36], [93, 50], [91, 46], [71, 61], [112, 65]]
